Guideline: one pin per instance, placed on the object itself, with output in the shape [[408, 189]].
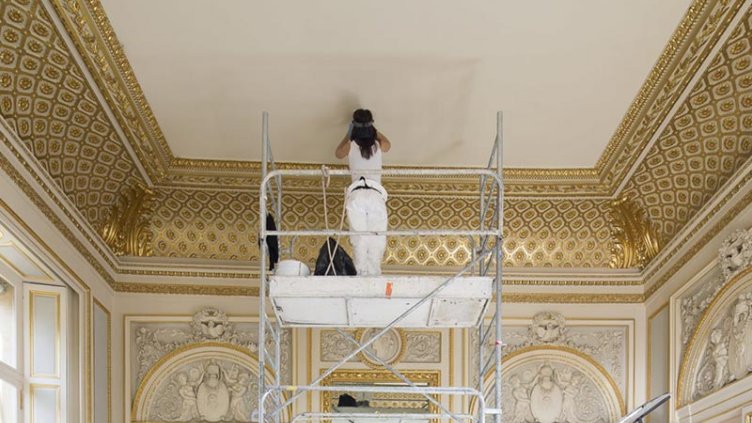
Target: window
[[45, 353], [8, 403], [11, 376], [8, 334]]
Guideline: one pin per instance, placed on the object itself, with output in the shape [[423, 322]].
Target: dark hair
[[363, 132]]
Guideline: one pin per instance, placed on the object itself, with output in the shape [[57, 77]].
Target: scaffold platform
[[375, 301]]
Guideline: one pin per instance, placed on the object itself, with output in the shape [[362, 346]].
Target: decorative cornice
[[692, 41], [185, 289]]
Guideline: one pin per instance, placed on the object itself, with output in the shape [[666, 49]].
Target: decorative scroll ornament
[[635, 237], [735, 253], [126, 228]]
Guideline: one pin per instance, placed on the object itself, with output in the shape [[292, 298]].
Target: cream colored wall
[[658, 361], [102, 364]]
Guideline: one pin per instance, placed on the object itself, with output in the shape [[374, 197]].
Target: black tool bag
[[346, 400], [342, 263], [272, 242]]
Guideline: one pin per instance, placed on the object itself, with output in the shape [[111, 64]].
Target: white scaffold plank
[[374, 301], [379, 415]]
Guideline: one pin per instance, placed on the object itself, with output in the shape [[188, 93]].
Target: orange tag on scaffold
[[388, 291]]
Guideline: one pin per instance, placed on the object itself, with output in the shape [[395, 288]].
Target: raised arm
[[343, 149], [383, 142]]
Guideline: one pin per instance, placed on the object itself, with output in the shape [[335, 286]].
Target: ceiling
[[433, 71]]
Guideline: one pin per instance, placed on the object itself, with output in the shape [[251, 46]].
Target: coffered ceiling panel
[[46, 99], [706, 142]]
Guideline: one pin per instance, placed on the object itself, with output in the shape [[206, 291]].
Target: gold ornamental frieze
[[539, 233]]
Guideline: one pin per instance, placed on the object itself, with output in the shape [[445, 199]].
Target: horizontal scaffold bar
[[409, 232], [407, 416], [488, 173], [431, 390]]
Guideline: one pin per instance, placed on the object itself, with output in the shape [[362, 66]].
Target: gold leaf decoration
[[126, 229], [635, 238]]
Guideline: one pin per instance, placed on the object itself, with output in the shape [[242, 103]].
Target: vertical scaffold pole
[[262, 268], [499, 258]]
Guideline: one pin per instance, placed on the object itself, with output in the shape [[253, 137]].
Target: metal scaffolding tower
[[486, 262]]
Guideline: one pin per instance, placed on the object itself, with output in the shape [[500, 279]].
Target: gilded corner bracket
[[635, 238], [126, 228]]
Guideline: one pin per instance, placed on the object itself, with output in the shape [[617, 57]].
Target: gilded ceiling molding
[[635, 238], [693, 40], [91, 32], [712, 232], [185, 289], [558, 298], [126, 229], [705, 143], [47, 102]]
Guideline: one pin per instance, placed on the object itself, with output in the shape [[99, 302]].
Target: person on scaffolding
[[365, 199]]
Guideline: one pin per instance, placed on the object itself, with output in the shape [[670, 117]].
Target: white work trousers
[[366, 211]]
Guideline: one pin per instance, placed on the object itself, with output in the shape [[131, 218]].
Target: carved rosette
[[126, 228], [635, 238]]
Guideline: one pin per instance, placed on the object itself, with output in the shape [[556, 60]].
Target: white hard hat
[[292, 268]]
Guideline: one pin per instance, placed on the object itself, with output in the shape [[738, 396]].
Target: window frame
[[14, 375]]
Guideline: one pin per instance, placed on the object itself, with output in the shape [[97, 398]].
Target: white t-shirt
[[358, 164]]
